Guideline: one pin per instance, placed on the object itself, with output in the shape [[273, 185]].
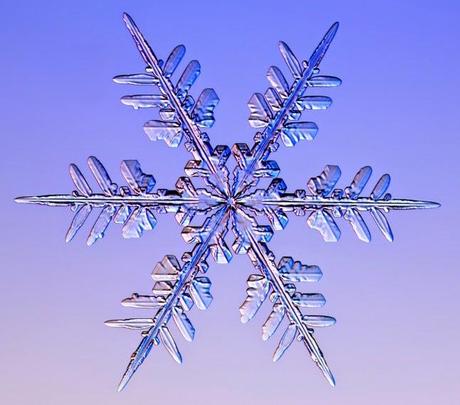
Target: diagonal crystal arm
[[187, 274], [202, 147], [270, 271], [272, 131]]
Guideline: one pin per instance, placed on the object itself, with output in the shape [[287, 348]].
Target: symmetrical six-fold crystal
[[228, 201]]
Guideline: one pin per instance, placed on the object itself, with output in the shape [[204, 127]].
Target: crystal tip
[[23, 200]]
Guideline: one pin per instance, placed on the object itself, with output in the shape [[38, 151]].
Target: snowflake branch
[[177, 296], [262, 258], [297, 200], [326, 202], [201, 149], [162, 199], [131, 206], [286, 104]]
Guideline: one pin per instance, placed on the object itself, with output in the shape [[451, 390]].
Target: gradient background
[[396, 340]]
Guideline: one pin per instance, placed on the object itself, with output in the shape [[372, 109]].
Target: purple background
[[396, 340]]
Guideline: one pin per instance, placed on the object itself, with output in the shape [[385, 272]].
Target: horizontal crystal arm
[[291, 201], [100, 200]]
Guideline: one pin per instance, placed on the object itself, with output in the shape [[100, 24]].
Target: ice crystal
[[229, 201]]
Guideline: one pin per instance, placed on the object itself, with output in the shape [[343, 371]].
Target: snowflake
[[228, 201]]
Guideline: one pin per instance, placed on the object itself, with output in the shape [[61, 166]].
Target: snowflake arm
[[181, 114], [324, 202], [277, 110], [251, 239], [132, 206], [176, 289]]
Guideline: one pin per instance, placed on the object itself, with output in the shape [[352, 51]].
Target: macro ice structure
[[243, 204]]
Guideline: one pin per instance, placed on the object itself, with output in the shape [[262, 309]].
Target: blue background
[[396, 339]]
